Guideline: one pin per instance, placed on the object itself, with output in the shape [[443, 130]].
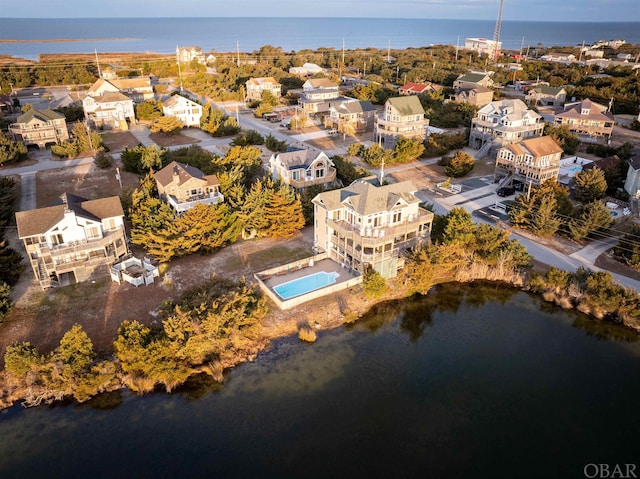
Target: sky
[[563, 10]]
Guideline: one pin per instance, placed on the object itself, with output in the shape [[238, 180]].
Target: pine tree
[[591, 185], [284, 213], [589, 219], [253, 213], [148, 212]]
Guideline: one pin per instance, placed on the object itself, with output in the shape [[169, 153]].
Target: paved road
[[583, 258]]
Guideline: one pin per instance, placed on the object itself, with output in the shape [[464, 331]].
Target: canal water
[[472, 381]]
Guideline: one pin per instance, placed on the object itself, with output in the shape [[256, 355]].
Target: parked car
[[505, 191], [518, 185]]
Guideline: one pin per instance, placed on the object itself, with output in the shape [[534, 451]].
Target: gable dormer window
[[585, 111]]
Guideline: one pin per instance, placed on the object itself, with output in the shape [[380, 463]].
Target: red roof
[[414, 87]]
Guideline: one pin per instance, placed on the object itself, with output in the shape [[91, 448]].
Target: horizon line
[[317, 17]]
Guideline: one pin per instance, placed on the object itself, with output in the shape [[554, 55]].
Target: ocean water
[[162, 35]]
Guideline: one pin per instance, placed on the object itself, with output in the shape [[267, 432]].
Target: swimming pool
[[306, 284]]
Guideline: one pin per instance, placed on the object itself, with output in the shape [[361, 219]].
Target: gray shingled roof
[[368, 199], [356, 106], [297, 158]]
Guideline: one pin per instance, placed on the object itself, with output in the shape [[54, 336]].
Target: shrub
[[307, 334], [5, 302], [373, 284], [274, 144], [459, 165], [103, 160], [356, 149]]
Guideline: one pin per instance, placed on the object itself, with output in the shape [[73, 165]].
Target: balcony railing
[[182, 206], [311, 180], [83, 245], [374, 236]]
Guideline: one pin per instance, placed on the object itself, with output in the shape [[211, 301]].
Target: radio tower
[[496, 33]]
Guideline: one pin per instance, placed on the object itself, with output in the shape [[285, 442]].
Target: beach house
[[73, 239], [184, 186], [531, 161], [402, 117], [257, 86], [591, 121], [187, 111], [366, 225], [503, 122], [302, 168], [40, 127]]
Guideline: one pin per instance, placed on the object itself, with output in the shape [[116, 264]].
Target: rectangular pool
[[306, 284]]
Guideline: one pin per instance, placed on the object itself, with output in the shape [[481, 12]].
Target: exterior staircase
[[484, 151]]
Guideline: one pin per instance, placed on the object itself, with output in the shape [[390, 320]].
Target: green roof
[[407, 105], [42, 115], [472, 77]]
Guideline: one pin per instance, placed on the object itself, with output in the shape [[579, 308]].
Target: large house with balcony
[[472, 80], [184, 186], [302, 168], [139, 89], [348, 115], [503, 122], [546, 95], [257, 86], [531, 161], [478, 96], [40, 127], [190, 53], [185, 110], [111, 110], [70, 241], [369, 226], [589, 120], [402, 117], [317, 95]]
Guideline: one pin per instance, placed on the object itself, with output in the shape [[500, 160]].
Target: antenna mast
[[496, 33]]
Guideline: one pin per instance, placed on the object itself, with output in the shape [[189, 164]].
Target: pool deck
[[283, 274]]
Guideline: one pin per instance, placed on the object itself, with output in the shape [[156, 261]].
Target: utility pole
[[397, 72], [457, 47], [118, 177], [389, 52], [97, 63], [179, 68], [86, 125], [521, 47], [238, 51], [581, 51]]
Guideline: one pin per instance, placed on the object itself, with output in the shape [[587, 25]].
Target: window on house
[[295, 175], [57, 239], [110, 224], [93, 232], [319, 172], [397, 216]]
